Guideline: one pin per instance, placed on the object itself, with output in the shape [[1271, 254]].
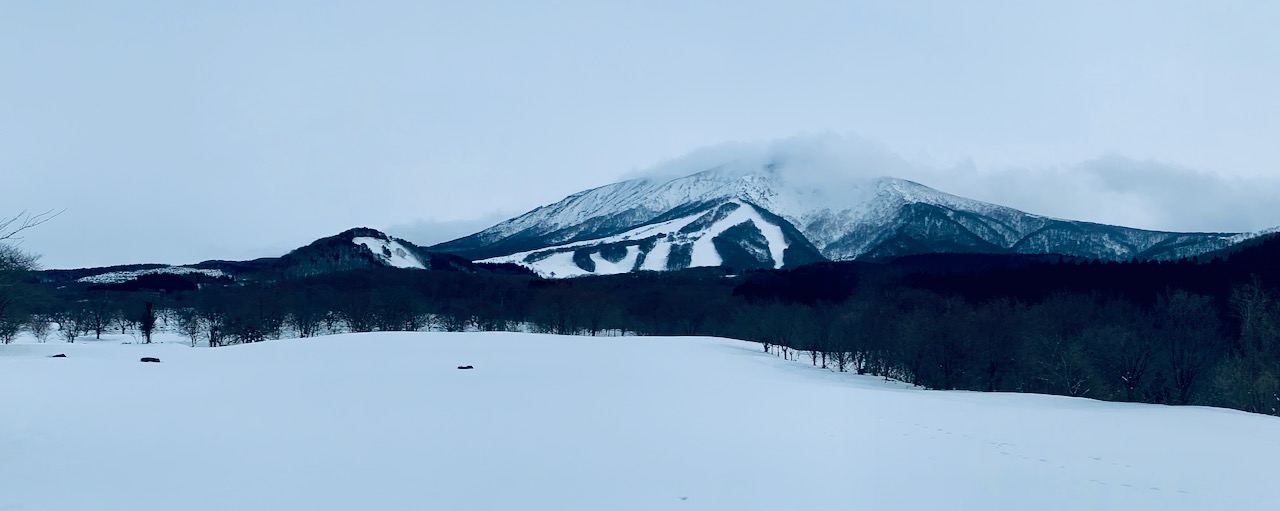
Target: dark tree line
[[1178, 332]]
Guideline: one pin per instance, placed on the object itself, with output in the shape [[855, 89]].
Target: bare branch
[[12, 226]]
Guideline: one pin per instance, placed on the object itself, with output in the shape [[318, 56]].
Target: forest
[[1202, 332]]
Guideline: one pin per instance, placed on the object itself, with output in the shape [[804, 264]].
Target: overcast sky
[[183, 131]]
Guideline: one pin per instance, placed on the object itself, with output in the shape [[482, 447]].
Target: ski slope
[[386, 421], [557, 261], [390, 252]]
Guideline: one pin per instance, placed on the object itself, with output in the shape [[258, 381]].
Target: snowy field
[[386, 421]]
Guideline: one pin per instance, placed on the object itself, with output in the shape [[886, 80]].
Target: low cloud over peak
[[1112, 189]]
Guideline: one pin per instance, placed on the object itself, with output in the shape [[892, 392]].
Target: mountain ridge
[[874, 220], [353, 249]]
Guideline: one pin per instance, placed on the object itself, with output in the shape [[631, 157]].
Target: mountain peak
[[775, 212]]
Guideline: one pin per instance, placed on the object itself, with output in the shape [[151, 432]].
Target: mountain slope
[[875, 219], [363, 248], [733, 233]]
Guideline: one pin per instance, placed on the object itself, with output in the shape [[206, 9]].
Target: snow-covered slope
[[386, 421], [362, 248], [733, 232], [116, 277], [843, 220], [1246, 236], [390, 251]]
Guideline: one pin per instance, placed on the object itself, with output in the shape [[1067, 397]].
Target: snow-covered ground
[[117, 277], [391, 252], [386, 421]]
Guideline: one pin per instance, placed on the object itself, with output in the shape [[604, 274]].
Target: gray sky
[[183, 131]]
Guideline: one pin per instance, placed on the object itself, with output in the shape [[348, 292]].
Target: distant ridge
[[353, 249]]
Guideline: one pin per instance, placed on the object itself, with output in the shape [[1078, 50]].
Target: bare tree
[[10, 326], [123, 321], [1063, 365], [1189, 328], [14, 265], [38, 325], [12, 226], [70, 320], [190, 324], [1250, 378], [101, 314], [1127, 356]]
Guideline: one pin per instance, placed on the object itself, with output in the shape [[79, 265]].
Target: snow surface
[[657, 258], [561, 264], [385, 421], [1245, 236], [604, 266], [557, 265], [117, 277], [400, 257], [704, 251]]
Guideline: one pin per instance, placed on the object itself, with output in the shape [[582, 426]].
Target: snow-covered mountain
[[732, 233], [744, 215]]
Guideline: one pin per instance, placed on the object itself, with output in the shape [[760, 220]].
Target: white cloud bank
[[1111, 189]]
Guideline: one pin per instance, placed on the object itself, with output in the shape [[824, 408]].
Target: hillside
[[361, 248]]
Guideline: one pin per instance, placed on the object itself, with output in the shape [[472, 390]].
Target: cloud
[[1110, 189], [1117, 190], [819, 157]]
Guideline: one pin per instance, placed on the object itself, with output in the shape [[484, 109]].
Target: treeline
[[1176, 333], [1183, 348]]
